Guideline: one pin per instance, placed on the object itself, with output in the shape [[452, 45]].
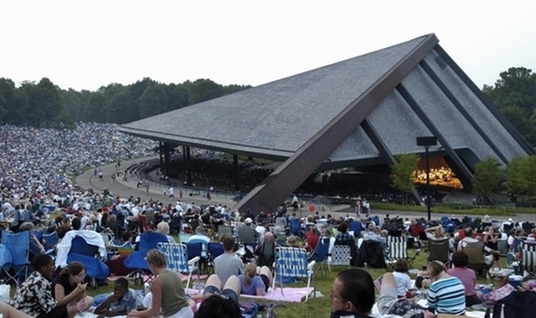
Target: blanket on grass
[[289, 294]]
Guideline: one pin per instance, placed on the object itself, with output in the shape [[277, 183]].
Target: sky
[[84, 45]]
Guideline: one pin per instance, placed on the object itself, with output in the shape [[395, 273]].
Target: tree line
[[44, 104]]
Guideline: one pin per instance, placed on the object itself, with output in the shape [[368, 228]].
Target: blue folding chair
[[321, 252], [295, 227], [177, 259], [17, 264], [50, 240], [214, 250], [85, 253], [136, 261], [292, 262]]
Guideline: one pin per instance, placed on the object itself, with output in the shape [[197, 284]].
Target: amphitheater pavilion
[[354, 113]]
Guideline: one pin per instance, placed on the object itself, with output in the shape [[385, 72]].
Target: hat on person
[[510, 220], [486, 218], [248, 221]]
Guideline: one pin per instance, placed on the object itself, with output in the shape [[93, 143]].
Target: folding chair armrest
[[311, 265], [194, 260]]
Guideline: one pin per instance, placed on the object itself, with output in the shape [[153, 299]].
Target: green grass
[[314, 307], [457, 209]]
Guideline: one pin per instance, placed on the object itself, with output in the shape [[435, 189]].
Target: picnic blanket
[[145, 277], [290, 294]]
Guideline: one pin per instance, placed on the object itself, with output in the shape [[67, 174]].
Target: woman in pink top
[[467, 276]]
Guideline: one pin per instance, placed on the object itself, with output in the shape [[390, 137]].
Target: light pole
[[427, 142]]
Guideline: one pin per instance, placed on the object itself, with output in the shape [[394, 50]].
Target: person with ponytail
[[255, 280]]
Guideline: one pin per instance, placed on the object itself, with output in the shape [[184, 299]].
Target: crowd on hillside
[[248, 243], [35, 180], [37, 164]]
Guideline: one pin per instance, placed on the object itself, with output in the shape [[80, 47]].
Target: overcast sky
[[88, 44]]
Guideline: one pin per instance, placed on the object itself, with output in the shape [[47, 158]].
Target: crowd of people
[[35, 179]]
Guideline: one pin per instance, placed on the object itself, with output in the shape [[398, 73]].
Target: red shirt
[[312, 240], [415, 229]]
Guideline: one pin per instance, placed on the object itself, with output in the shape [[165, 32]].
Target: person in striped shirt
[[446, 293]]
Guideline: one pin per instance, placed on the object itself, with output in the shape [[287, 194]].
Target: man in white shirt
[[469, 239]]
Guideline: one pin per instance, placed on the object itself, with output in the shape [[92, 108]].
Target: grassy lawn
[[459, 209], [315, 307]]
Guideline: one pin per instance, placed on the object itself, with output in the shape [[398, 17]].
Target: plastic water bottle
[[268, 312], [509, 259]]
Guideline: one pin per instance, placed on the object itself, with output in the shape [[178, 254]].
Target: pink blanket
[[290, 294], [182, 277]]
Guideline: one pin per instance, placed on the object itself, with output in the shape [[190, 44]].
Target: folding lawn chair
[[528, 258], [87, 254], [177, 259], [438, 250], [16, 264], [397, 247], [321, 253], [50, 240], [214, 250], [136, 261], [475, 252], [340, 255], [291, 262]]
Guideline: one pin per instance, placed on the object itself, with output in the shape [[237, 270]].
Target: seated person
[[115, 263], [120, 302], [292, 242], [221, 303], [375, 234], [35, 246], [70, 285], [9, 312], [403, 281], [352, 296], [488, 259], [343, 235], [168, 296], [446, 293], [163, 228], [467, 276], [255, 280], [34, 297]]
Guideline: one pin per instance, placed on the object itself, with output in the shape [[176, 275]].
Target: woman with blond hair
[[255, 280]]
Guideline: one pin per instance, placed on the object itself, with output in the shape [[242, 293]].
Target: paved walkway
[[128, 188]]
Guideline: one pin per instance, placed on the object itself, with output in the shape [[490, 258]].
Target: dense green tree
[[520, 179], [132, 102], [488, 178], [95, 108], [403, 172], [119, 107], [9, 107], [229, 89], [43, 104], [178, 96], [154, 101], [202, 90], [515, 95], [74, 103]]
